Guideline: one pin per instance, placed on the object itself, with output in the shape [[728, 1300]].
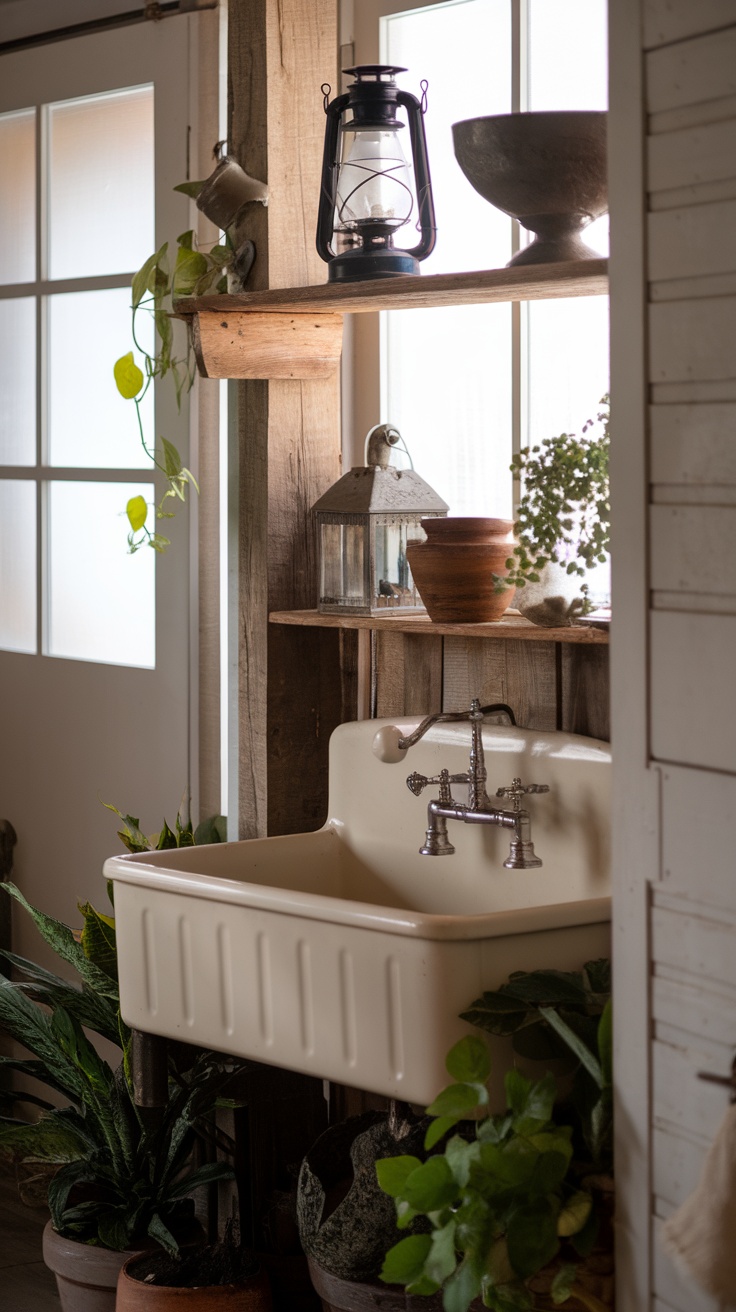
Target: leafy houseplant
[[524, 1188], [154, 287], [564, 513], [121, 1180]]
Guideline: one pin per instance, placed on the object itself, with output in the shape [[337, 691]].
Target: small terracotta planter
[[252, 1295], [454, 568]]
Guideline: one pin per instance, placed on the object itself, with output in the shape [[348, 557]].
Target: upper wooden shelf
[[296, 332], [512, 626], [526, 282]]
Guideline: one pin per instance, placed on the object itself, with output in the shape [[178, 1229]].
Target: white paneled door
[[94, 642]]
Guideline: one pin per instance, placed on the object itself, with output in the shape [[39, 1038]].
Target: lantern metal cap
[[374, 491]]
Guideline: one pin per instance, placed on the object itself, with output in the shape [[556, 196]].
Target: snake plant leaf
[[137, 512], [98, 939], [129, 379], [60, 937], [163, 1236]]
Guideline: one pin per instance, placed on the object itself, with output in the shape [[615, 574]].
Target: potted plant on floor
[[221, 1277], [123, 1181], [562, 527]]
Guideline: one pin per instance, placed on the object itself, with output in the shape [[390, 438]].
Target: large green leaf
[[93, 1011], [431, 1186], [468, 1061], [458, 1100], [65, 945], [393, 1173], [48, 1139], [532, 1237], [576, 1045], [497, 1013], [98, 939], [404, 1263], [24, 1021]]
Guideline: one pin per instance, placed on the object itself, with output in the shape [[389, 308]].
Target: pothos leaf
[[137, 512], [128, 377]]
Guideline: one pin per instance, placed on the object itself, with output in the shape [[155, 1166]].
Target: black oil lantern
[[365, 522], [369, 190]]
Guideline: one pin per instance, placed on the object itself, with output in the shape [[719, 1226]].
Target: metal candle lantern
[[368, 193], [365, 522]]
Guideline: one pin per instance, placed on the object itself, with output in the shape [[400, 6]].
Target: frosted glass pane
[[568, 364], [568, 54], [568, 68], [18, 381], [471, 234], [18, 197], [101, 191], [448, 390], [101, 600], [17, 565], [446, 374], [568, 374], [90, 423]]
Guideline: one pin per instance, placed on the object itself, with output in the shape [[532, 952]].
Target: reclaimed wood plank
[[511, 626], [522, 675], [585, 693], [415, 291], [409, 674], [236, 345]]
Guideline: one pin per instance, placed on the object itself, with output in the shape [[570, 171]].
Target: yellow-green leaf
[[128, 376], [574, 1214], [137, 511]]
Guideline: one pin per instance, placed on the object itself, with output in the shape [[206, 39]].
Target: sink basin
[[344, 953]]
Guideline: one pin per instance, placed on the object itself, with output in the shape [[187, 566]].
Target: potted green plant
[[123, 1181], [562, 527]]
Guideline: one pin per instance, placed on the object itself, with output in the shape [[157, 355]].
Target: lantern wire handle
[[325, 89], [424, 84]]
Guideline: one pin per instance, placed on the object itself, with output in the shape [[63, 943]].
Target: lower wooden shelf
[[513, 626]]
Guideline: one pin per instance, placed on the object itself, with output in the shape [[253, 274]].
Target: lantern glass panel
[[342, 560], [375, 181], [392, 574]]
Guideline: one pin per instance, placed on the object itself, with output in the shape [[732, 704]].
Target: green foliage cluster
[[121, 1176], [211, 830], [552, 1015], [154, 289], [509, 1198], [564, 513]]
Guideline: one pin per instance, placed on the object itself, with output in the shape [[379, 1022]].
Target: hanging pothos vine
[[154, 287]]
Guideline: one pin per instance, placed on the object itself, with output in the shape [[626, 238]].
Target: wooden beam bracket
[[234, 344]]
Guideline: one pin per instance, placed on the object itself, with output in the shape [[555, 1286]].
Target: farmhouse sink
[[345, 953]]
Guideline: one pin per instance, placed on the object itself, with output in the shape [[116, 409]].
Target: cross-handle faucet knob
[[416, 783], [517, 791]]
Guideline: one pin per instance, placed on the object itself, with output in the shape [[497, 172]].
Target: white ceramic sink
[[344, 953]]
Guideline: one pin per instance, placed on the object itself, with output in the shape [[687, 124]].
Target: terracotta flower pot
[[251, 1295], [454, 568]]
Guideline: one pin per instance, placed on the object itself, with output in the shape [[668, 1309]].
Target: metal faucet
[[479, 809]]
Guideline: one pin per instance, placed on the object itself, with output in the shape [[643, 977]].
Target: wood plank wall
[[549, 685], [690, 74]]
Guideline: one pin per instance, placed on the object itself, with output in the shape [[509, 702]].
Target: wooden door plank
[[693, 444], [692, 689], [674, 20], [692, 341], [692, 156], [691, 71], [585, 693], [693, 549], [694, 241]]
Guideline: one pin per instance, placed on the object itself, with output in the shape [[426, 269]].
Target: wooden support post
[[290, 693]]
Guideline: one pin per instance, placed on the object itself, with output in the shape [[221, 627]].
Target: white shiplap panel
[[677, 1161], [693, 242], [683, 538], [693, 444], [674, 20], [694, 942], [692, 71], [692, 156], [673, 1286], [693, 689], [691, 1105], [697, 1010], [694, 803], [693, 341]]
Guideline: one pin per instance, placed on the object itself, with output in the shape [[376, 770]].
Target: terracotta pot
[[454, 568], [253, 1295], [86, 1276]]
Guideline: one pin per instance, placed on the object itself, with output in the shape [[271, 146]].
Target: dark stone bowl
[[547, 170]]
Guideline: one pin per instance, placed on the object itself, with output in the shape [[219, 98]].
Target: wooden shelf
[[512, 626], [525, 282], [296, 332]]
